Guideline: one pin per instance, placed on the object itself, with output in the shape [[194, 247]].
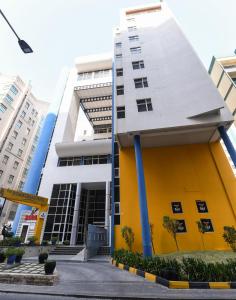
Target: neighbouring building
[[21, 116]]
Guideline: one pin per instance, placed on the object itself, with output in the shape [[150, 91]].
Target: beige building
[[21, 116]]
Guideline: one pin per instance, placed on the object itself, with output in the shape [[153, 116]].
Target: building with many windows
[[21, 116]]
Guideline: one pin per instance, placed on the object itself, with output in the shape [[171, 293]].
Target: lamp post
[[23, 45]]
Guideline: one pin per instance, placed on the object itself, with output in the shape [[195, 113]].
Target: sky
[[61, 30]]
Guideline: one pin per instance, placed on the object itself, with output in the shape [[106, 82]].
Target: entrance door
[[24, 231]]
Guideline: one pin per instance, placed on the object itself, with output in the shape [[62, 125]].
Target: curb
[[175, 284]]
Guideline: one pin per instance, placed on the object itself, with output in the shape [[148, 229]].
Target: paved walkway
[[103, 280]]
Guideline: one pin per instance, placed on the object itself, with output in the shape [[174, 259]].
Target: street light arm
[[9, 24]]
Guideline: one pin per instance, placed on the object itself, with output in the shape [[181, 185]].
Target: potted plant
[[19, 253], [44, 243], [15, 241], [66, 242], [11, 255], [43, 257], [2, 257], [49, 267], [32, 240], [54, 240]]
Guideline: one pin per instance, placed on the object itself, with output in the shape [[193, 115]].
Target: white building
[[77, 173], [21, 116]]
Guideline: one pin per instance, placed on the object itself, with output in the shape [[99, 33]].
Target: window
[[84, 160], [23, 113], [135, 50], [144, 105], [201, 206], [181, 226], [207, 224], [19, 124], [140, 82], [120, 90], [119, 72], [32, 112], [27, 131], [32, 123], [1, 172], [10, 179], [85, 75], [36, 113], [131, 20], [20, 186], [118, 56], [5, 159], [138, 64], [14, 90], [176, 207], [14, 134], [16, 164], [8, 98], [27, 105], [120, 112], [9, 147], [25, 172], [3, 108], [132, 28], [133, 38], [118, 45], [117, 208], [19, 153], [29, 121], [24, 140]]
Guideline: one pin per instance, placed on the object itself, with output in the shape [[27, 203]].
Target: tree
[[202, 229], [229, 236], [151, 232], [128, 235], [171, 225]]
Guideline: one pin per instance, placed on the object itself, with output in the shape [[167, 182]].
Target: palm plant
[[128, 235], [171, 225], [229, 236], [202, 229], [151, 232]]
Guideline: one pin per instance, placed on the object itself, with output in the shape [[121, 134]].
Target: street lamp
[[24, 46]]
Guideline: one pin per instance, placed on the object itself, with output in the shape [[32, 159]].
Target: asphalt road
[[6, 296]]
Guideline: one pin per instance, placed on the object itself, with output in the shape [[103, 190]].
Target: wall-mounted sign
[[176, 207], [207, 225], [181, 226], [43, 215], [201, 206], [30, 218]]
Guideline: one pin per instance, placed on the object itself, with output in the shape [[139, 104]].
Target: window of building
[[27, 131], [14, 134], [135, 50], [140, 82], [32, 149], [16, 164], [8, 98], [118, 45], [85, 75], [117, 208], [120, 90], [119, 72], [24, 140], [133, 38], [23, 114], [84, 160], [9, 146], [138, 64], [3, 108], [32, 123], [1, 172], [118, 56], [11, 216], [129, 20], [181, 226], [120, 112], [201, 206], [14, 90], [32, 112], [29, 159], [25, 172], [20, 186], [207, 225], [19, 124], [132, 28], [10, 179], [20, 152], [144, 104], [176, 207], [102, 73], [27, 105], [36, 113], [5, 159]]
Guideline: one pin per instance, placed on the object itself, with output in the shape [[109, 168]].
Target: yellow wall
[[181, 173]]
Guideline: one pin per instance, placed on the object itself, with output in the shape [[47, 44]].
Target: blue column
[[34, 174], [228, 143], [146, 235]]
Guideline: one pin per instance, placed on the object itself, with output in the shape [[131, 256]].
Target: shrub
[[2, 257], [12, 241], [128, 235], [44, 243], [171, 225], [32, 240], [49, 267], [229, 236], [66, 242], [10, 252], [43, 257], [54, 240]]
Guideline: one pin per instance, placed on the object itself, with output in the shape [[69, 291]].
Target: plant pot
[[18, 259], [2, 257], [43, 258], [11, 259], [49, 267]]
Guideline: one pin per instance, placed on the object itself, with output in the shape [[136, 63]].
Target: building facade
[[21, 117]]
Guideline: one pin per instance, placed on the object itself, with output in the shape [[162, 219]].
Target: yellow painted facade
[[185, 174]]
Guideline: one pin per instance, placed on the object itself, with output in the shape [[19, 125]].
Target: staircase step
[[66, 250]]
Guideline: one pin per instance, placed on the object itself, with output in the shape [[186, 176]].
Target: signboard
[[30, 218], [17, 196]]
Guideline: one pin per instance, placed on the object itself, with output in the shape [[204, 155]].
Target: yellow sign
[[17, 196]]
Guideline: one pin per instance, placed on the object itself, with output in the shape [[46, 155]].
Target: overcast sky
[[60, 30]]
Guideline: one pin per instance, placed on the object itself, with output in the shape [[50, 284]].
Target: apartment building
[[21, 117]]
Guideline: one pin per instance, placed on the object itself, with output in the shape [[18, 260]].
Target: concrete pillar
[[75, 216], [107, 209], [228, 143], [146, 236]]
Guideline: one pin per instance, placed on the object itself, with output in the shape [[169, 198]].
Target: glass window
[[119, 72], [118, 56], [3, 108], [140, 82], [20, 152], [23, 114], [27, 105], [19, 124], [27, 131], [9, 146], [20, 186], [16, 164], [1, 172], [117, 208], [118, 45], [10, 179], [24, 140], [120, 112], [5, 159], [138, 64], [8, 98], [14, 90], [14, 134], [133, 38], [135, 50], [144, 104], [132, 28], [120, 90]]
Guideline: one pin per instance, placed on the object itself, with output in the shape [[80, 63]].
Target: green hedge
[[191, 269]]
